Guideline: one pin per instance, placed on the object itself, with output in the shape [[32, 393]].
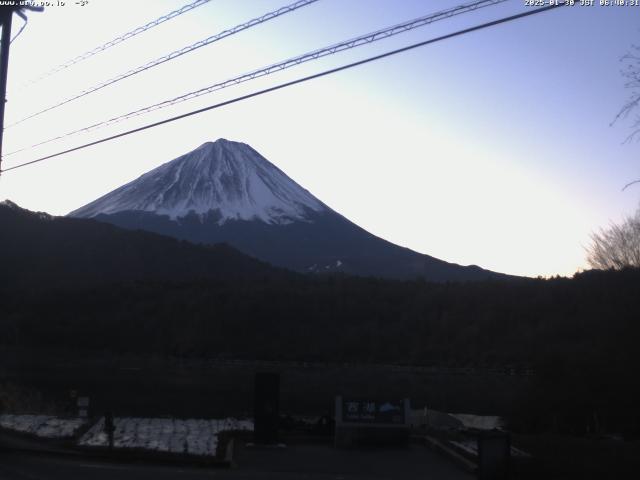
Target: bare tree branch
[[631, 73], [616, 247]]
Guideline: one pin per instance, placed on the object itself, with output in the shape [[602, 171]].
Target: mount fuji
[[226, 192]]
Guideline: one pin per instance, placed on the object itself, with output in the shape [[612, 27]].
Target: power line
[[314, 55], [21, 28], [291, 83], [24, 24], [119, 39], [175, 54]]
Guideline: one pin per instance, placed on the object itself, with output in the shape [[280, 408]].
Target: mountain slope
[[225, 191], [38, 250]]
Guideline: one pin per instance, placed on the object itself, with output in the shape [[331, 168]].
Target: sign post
[[109, 428], [266, 408], [83, 407], [494, 455]]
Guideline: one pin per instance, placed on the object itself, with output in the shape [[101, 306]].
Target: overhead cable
[[291, 62], [120, 39], [291, 83], [173, 55]]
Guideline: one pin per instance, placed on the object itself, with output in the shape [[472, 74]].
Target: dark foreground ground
[[556, 457], [561, 457], [567, 457], [149, 387], [312, 462]]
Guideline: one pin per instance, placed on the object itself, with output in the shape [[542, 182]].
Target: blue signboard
[[389, 412]]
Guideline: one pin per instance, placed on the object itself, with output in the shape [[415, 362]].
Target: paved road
[[297, 462], [19, 466]]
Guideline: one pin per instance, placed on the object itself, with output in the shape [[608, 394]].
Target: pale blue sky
[[493, 148]]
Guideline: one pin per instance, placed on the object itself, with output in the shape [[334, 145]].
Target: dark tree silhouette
[[616, 247]]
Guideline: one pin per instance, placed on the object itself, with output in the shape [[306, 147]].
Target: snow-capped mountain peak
[[229, 180], [227, 192]]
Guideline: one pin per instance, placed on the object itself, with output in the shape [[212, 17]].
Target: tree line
[[580, 335]]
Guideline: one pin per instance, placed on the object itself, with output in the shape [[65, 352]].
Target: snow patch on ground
[[44, 426], [193, 436], [471, 447], [480, 422]]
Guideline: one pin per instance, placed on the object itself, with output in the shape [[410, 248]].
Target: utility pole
[[7, 14]]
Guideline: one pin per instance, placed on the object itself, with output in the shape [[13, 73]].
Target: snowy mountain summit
[[222, 180]]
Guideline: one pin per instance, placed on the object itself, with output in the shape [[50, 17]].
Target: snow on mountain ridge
[[229, 178]]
